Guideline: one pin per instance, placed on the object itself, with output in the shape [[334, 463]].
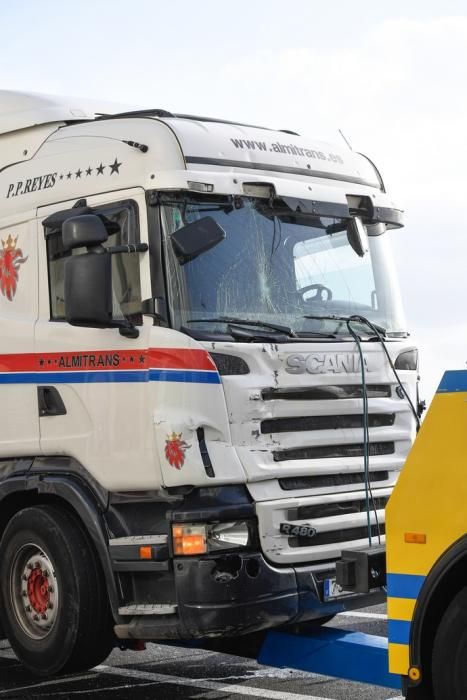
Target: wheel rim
[[34, 591]]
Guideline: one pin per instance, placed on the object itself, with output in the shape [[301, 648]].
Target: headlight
[[407, 360], [228, 535], [191, 539]]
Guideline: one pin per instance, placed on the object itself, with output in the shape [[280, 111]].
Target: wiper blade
[[316, 334], [246, 322], [357, 319]]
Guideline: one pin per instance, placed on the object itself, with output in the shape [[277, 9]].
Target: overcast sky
[[391, 75]]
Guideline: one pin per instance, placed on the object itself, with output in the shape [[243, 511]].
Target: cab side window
[[121, 221]]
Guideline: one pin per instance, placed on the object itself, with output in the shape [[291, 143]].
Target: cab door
[[94, 405], [19, 418]]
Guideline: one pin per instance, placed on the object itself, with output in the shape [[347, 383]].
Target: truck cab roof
[[53, 140], [22, 110]]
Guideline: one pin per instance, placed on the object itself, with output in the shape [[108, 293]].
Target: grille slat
[[286, 425], [327, 510], [336, 536], [375, 449], [318, 393], [295, 483]]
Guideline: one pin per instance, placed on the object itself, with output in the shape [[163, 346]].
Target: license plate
[[332, 589]]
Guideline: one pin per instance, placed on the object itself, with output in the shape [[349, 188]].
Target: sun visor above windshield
[[235, 146], [370, 214]]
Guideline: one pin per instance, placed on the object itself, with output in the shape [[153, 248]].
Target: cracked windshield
[[277, 266]]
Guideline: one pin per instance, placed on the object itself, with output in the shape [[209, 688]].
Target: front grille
[[336, 536], [328, 510], [286, 425], [375, 449], [318, 393], [295, 483]]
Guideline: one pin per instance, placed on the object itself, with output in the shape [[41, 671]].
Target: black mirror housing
[[87, 230], [88, 290], [196, 238]]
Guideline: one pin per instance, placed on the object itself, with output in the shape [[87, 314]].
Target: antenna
[[348, 144]]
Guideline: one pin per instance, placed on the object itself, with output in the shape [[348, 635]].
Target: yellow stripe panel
[[401, 608], [399, 659]]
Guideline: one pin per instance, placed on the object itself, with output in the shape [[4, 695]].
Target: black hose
[[365, 321], [366, 433], [366, 441]]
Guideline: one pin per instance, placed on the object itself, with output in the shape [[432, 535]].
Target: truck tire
[[55, 608], [449, 662]]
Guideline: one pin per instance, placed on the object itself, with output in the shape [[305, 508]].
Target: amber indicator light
[[415, 538], [189, 540], [145, 552]]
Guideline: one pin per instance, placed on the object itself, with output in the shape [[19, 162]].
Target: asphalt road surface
[[163, 672]]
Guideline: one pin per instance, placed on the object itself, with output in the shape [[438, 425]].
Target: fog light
[[189, 539]]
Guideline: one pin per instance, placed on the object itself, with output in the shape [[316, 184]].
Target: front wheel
[[55, 609], [449, 662]]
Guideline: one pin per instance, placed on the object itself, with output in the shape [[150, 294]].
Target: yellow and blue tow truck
[[423, 566]]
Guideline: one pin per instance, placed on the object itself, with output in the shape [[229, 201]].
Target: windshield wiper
[[346, 319], [246, 322], [316, 334]]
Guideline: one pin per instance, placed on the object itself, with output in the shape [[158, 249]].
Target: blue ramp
[[353, 656]]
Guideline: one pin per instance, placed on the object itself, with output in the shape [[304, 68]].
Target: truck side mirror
[[88, 277], [196, 238], [357, 236], [87, 231], [88, 290], [83, 231]]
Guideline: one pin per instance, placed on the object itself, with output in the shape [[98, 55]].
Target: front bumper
[[236, 594]]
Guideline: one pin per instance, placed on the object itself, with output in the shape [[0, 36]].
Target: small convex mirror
[[357, 236], [87, 230], [196, 238]]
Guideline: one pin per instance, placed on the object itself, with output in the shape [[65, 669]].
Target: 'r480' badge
[[297, 530]]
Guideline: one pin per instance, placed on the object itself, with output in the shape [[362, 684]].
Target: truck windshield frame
[[276, 266]]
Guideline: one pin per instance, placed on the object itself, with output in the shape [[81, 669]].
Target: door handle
[[50, 402]]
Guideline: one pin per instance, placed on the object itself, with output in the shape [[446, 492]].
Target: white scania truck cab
[[204, 377]]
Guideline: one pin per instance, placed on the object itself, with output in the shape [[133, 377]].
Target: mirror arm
[[129, 248], [155, 307], [126, 329]]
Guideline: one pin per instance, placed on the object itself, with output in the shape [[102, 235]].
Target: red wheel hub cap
[[38, 591]]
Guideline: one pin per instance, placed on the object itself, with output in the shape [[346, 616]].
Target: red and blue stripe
[[98, 366]]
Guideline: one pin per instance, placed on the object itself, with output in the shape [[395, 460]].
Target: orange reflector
[[414, 673], [189, 539], [145, 552], [415, 538]]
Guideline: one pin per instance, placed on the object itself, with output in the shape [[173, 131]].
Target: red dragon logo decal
[[11, 258], [175, 449]]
